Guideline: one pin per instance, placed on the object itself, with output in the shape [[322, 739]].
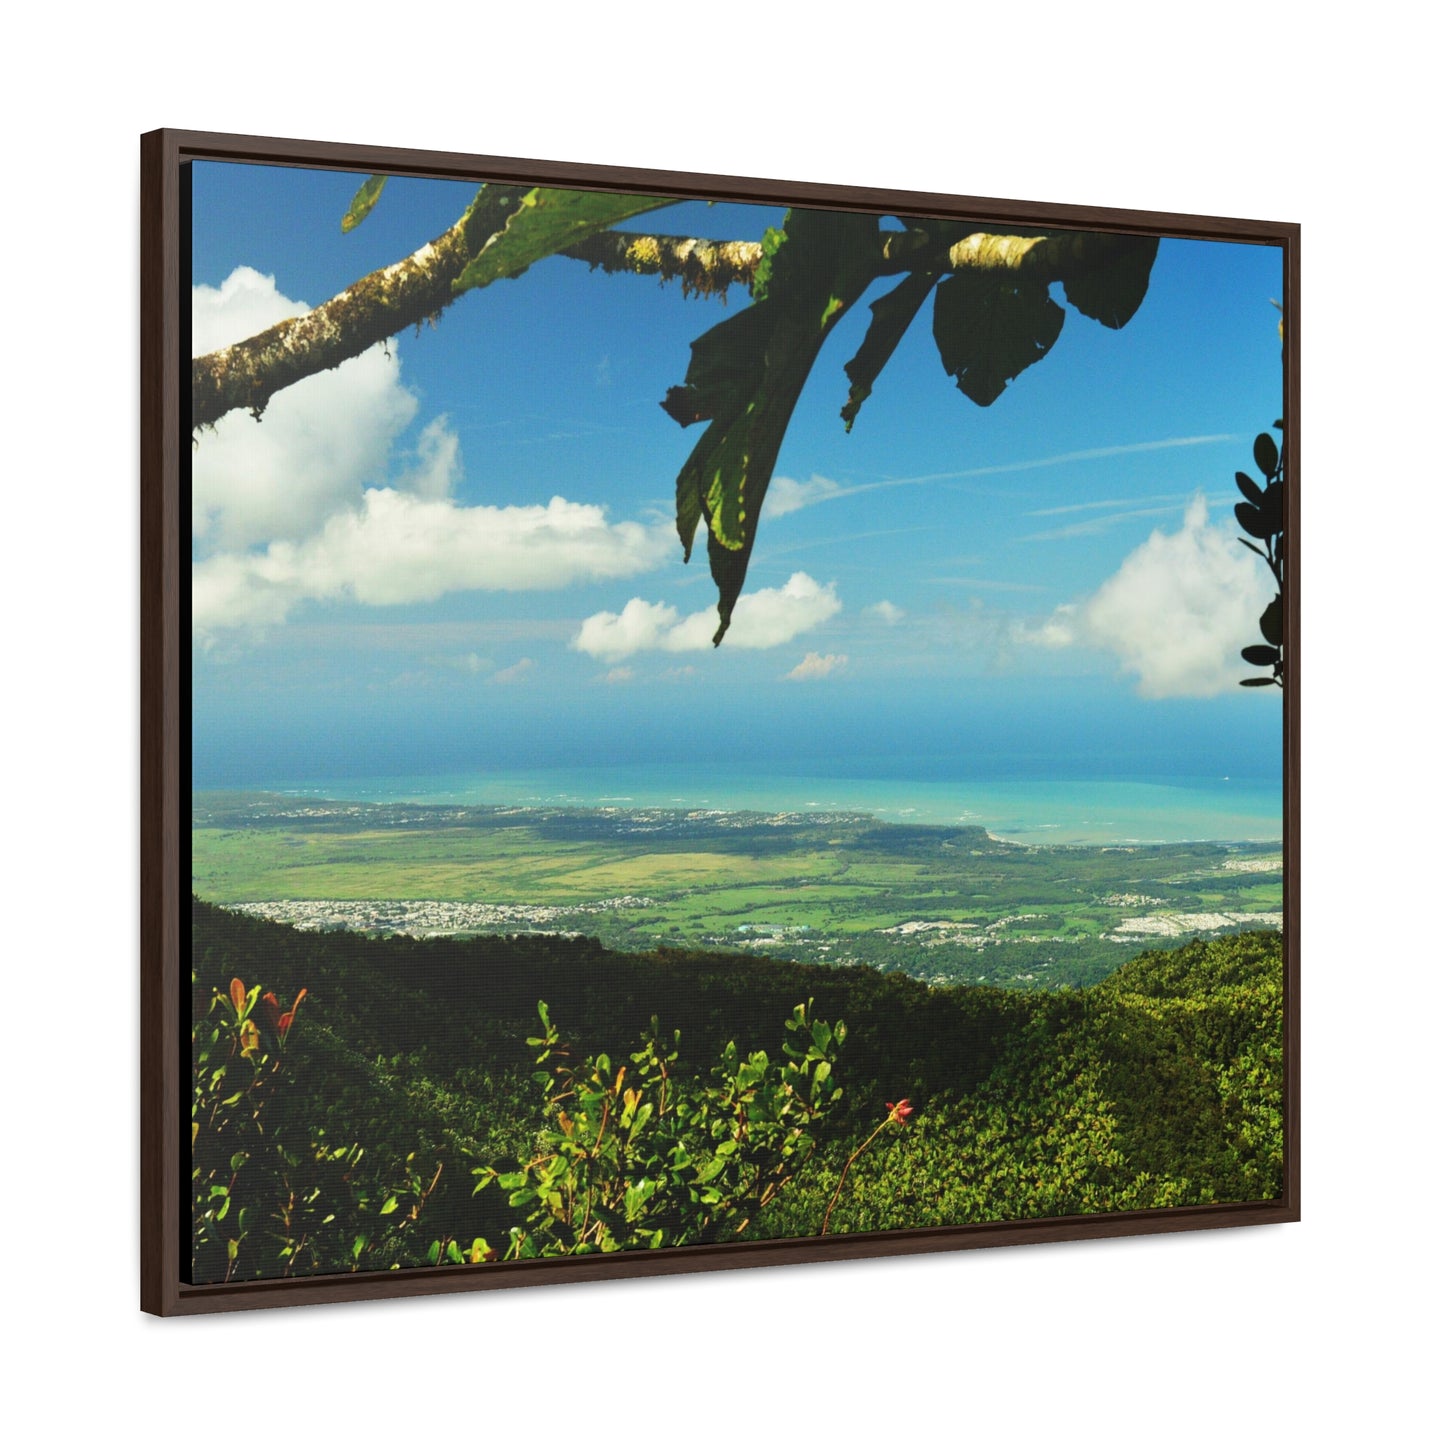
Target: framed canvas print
[[694, 722]]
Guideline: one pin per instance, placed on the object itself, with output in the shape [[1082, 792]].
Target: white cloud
[[816, 665], [885, 611], [398, 547], [766, 618], [619, 675], [318, 445], [312, 504], [517, 672], [787, 495], [1176, 612]]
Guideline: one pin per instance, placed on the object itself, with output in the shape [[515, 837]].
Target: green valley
[[945, 905]]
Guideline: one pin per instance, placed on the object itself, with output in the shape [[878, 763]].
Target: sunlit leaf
[[546, 221], [362, 202], [745, 377]]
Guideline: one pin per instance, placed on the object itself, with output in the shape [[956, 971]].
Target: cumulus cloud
[[885, 611], [1176, 612], [397, 547], [619, 675], [787, 495], [816, 665], [766, 618], [317, 503], [320, 443]]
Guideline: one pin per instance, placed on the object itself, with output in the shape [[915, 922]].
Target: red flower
[[898, 1112]]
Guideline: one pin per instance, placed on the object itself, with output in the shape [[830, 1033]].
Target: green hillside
[[356, 1138]]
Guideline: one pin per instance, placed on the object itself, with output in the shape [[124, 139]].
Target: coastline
[[1056, 812]]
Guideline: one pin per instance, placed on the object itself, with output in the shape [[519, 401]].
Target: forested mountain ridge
[[1160, 1086]]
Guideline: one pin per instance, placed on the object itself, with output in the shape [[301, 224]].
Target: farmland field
[[944, 904]]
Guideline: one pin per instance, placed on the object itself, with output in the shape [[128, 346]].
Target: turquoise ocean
[[1087, 811]]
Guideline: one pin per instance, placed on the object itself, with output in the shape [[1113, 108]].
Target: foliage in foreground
[[414, 1114]]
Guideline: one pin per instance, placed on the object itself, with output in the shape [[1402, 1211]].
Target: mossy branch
[[419, 287]]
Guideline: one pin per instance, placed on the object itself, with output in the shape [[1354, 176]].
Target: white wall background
[[1253, 109]]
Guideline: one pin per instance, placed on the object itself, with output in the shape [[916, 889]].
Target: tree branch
[[378, 306], [419, 287], [706, 268]]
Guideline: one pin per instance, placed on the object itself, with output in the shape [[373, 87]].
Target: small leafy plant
[[271, 1195], [637, 1155], [1261, 514]]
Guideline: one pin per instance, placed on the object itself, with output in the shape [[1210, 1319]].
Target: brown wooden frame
[[164, 720]]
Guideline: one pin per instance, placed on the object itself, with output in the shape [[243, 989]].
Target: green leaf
[[1271, 623], [892, 315], [362, 202], [1272, 508], [1252, 520], [772, 240], [1266, 454], [1111, 279], [389, 1207], [545, 222], [989, 330], [745, 377]]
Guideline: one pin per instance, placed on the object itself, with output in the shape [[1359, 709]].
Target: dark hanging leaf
[[1271, 623], [989, 330], [362, 202], [1260, 656], [681, 403], [1257, 682], [1257, 552], [1273, 507], [545, 221], [1249, 487], [1279, 426], [1111, 279], [745, 377], [1252, 520], [1266, 454], [720, 376], [892, 315]]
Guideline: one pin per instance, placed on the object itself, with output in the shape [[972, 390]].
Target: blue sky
[[458, 552]]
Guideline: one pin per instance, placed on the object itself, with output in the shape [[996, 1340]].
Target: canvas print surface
[[719, 722]]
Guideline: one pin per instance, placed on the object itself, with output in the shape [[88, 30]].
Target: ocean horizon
[[1064, 811]]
